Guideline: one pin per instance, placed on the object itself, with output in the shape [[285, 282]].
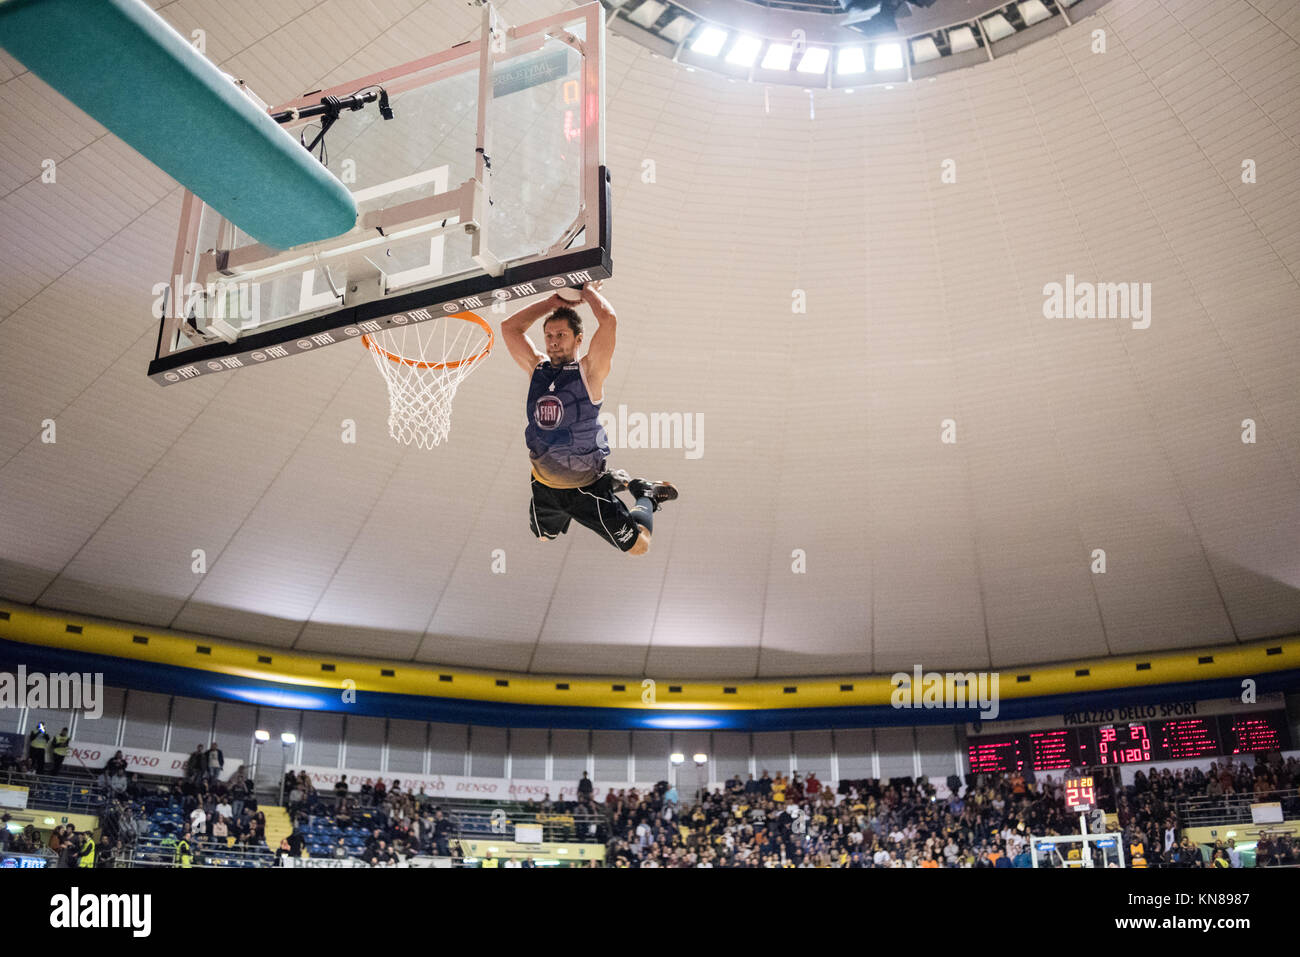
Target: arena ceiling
[[823, 429]]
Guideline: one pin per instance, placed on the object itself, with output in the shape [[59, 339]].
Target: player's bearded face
[[561, 344]]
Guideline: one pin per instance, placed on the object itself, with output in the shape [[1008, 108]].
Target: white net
[[423, 364]]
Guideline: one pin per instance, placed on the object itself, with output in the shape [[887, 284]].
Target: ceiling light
[[961, 39], [262, 736], [850, 60], [889, 56], [646, 14], [778, 56], [997, 28], [924, 49], [1033, 11], [814, 60], [676, 757], [709, 42], [288, 737], [745, 51], [701, 758]]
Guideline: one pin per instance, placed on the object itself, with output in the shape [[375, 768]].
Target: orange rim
[[419, 364]]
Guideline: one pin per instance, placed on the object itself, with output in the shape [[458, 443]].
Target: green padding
[[121, 63]]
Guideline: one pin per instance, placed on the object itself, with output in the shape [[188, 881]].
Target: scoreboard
[[1138, 742]]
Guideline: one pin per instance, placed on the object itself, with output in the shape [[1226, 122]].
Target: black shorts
[[595, 506]]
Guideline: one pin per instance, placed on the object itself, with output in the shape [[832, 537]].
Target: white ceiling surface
[[822, 430]]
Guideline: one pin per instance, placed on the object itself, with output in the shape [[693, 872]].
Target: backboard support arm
[[493, 35]]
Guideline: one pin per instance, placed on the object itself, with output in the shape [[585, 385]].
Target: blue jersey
[[566, 443]]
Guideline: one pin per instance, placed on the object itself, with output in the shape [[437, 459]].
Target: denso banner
[[449, 786], [139, 760]]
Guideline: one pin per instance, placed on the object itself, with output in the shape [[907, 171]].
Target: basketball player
[[566, 444]]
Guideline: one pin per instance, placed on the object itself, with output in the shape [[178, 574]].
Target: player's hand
[[593, 286]]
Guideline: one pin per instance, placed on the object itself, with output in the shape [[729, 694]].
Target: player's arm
[[513, 332], [601, 352]]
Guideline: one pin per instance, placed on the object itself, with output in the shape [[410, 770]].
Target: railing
[[152, 852], [486, 819], [48, 793], [1203, 811]]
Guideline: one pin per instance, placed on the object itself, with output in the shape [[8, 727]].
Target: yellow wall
[[40, 627]]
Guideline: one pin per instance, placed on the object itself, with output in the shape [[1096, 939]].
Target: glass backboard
[[461, 202]]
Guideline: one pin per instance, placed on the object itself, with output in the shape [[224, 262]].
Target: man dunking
[[566, 444]]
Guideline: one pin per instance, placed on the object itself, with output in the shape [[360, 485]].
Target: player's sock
[[644, 513]]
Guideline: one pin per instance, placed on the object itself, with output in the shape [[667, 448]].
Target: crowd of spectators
[[984, 821], [404, 823], [1148, 816], [215, 813], [769, 821], [65, 846]]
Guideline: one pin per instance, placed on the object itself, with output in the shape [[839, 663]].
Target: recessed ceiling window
[[961, 39], [709, 42], [924, 49], [888, 56], [744, 51], [778, 56], [1033, 11], [814, 60], [851, 60], [646, 14], [997, 28], [678, 30]]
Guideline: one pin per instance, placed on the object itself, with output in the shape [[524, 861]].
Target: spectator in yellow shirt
[[1137, 854]]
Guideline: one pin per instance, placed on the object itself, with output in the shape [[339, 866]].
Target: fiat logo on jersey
[[548, 412]]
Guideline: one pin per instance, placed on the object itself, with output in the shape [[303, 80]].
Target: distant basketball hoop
[[423, 364]]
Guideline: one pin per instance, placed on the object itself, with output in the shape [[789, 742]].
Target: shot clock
[[1080, 793]]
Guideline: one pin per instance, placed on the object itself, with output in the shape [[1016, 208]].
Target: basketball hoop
[[423, 364]]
